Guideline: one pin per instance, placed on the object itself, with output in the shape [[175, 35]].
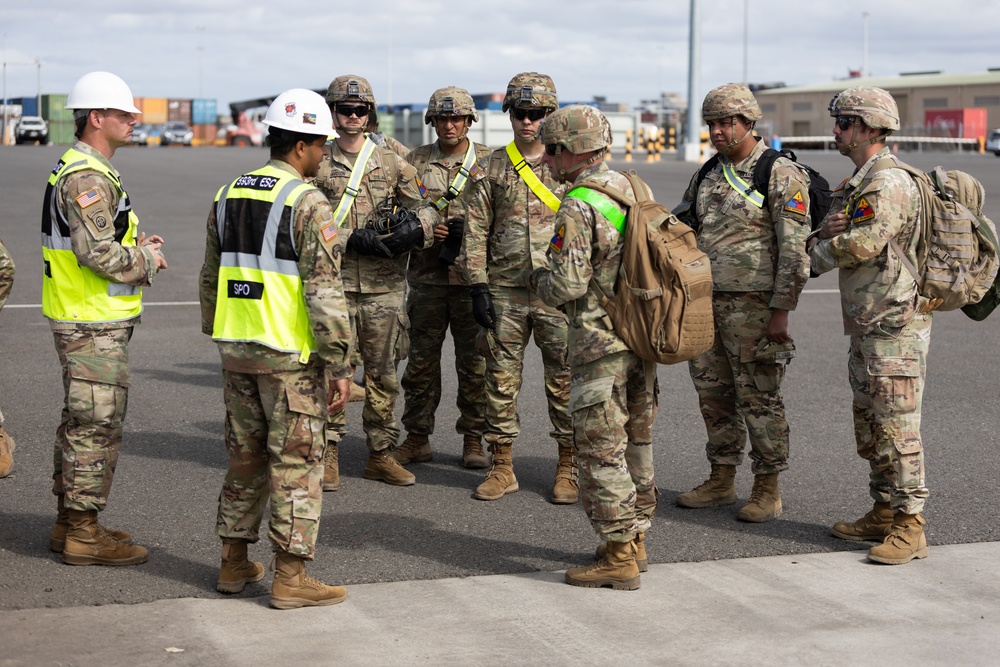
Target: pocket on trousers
[[893, 384], [308, 410], [593, 392], [98, 390], [402, 346]]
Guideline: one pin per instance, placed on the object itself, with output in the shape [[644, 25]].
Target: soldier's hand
[[482, 306], [834, 225], [777, 327], [340, 391], [366, 241], [440, 233], [453, 244]]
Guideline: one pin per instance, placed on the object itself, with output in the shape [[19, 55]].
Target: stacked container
[[60, 119], [204, 119]]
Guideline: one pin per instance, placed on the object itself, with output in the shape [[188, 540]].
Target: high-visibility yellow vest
[[260, 291], [72, 292]]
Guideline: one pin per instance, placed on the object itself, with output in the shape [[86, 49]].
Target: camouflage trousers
[[519, 314], [95, 388], [739, 393], [275, 440], [432, 309], [613, 402], [887, 371], [379, 329]]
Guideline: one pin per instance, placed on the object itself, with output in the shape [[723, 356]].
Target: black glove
[[453, 243], [482, 306], [365, 241], [405, 232]]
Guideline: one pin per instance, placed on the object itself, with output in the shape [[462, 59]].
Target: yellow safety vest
[[72, 292], [523, 169], [260, 297]]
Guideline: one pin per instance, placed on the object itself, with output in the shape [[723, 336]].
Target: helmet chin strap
[[854, 143], [736, 142], [582, 164]]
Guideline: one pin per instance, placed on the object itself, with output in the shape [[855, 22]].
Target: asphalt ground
[[172, 465]]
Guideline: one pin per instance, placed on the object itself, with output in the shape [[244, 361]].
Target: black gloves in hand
[[405, 232], [453, 244], [365, 241], [482, 306]]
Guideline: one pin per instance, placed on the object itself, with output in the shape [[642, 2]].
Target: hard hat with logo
[[875, 106], [530, 89], [101, 90], [578, 127], [350, 85], [730, 99], [450, 101], [300, 110]]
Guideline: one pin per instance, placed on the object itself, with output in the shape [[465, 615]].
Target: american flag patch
[[329, 232], [474, 170], [91, 196]]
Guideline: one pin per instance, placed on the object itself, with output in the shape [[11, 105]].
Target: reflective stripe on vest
[[260, 297], [745, 189], [461, 178], [354, 183], [524, 171], [72, 292], [602, 204]]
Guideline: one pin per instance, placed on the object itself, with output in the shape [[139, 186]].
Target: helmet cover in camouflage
[[730, 99], [450, 101], [350, 85], [874, 106], [530, 89], [578, 127]]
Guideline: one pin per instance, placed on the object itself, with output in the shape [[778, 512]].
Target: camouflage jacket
[[755, 249], [585, 246], [507, 228], [386, 175], [875, 288], [319, 267], [97, 248], [437, 171], [6, 274]]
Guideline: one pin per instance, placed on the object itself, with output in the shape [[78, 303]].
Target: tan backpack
[[662, 305]]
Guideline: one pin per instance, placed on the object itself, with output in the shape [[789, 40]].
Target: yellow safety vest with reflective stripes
[[260, 297], [72, 292]]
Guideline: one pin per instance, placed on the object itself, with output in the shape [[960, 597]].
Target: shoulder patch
[[796, 204], [329, 232], [863, 211], [88, 198], [421, 187], [556, 244]]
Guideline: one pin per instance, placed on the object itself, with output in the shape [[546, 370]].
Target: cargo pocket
[[307, 422], [766, 373], [305, 523], [909, 464], [98, 390], [402, 346], [893, 384]]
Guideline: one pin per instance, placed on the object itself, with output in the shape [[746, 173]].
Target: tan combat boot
[[415, 449], [904, 542], [500, 479], [87, 544], [473, 456], [616, 569], [57, 539], [236, 570], [641, 559], [6, 452], [331, 467], [357, 393], [293, 588], [872, 526], [381, 467], [716, 491], [566, 491], [765, 500]]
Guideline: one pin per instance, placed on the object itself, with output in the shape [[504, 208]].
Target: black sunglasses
[[347, 110], [532, 114], [844, 123], [550, 149]]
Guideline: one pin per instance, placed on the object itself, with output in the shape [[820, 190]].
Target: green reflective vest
[[71, 292], [260, 291]]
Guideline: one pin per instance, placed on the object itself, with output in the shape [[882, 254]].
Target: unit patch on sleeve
[[421, 187], [91, 196], [556, 244], [329, 232], [863, 212], [796, 204]]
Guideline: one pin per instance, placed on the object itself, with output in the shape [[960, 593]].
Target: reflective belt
[[536, 186], [461, 178], [745, 189], [351, 191], [602, 204]]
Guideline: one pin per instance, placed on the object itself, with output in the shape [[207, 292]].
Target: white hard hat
[[300, 110], [101, 90]]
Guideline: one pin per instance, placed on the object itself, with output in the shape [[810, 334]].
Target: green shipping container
[[62, 132], [54, 109]]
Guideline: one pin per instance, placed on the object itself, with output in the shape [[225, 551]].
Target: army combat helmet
[[729, 101], [579, 129], [347, 86], [874, 106], [450, 101], [530, 89]]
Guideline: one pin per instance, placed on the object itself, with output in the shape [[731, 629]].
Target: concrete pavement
[[807, 609]]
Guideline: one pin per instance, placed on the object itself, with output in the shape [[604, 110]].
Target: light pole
[[864, 55], [746, 39], [201, 57], [692, 148]]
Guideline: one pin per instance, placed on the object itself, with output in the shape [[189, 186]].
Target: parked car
[[176, 133], [140, 134], [993, 142], [31, 129]]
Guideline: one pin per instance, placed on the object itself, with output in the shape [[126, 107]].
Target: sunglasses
[[550, 149], [531, 114], [347, 110], [844, 123]]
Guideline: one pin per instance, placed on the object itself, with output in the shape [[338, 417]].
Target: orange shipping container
[[204, 135], [154, 110]]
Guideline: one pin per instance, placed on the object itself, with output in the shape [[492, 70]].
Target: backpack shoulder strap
[[762, 172]]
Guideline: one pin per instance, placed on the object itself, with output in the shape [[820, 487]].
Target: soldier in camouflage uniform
[[759, 267], [284, 341], [613, 392], [6, 280], [385, 140], [888, 321], [438, 299], [95, 265], [373, 268], [509, 224]]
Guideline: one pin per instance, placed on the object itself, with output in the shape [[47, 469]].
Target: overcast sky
[[622, 49]]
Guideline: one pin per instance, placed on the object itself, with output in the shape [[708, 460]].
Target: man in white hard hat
[[95, 264], [273, 300]]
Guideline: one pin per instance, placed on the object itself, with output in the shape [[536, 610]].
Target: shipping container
[[204, 134], [179, 110], [62, 132], [154, 110], [204, 112], [967, 123], [54, 109], [29, 105]]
